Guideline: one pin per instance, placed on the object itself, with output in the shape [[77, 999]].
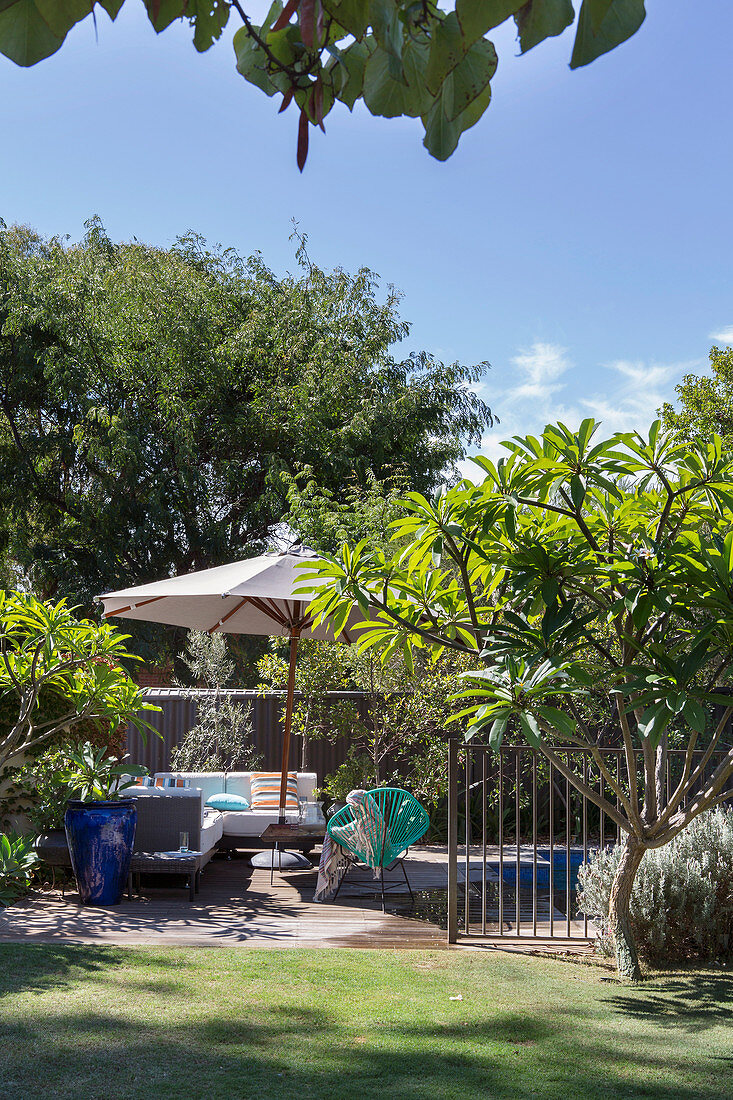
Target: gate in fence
[[518, 832]]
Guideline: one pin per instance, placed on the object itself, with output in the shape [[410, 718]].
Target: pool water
[[526, 868]]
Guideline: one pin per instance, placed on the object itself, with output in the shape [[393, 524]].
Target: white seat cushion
[[251, 822], [211, 830]]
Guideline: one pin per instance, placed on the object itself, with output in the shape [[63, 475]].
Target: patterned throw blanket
[[366, 829]]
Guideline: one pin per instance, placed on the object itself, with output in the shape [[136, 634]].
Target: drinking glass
[[183, 842]]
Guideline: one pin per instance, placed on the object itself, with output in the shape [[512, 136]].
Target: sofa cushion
[[211, 830], [225, 801], [251, 823], [265, 788]]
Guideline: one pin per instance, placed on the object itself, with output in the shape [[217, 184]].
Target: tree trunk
[[627, 960]]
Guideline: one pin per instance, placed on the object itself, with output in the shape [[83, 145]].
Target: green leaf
[[540, 19], [447, 48], [352, 15], [496, 733], [577, 491], [352, 63], [112, 7], [530, 729], [476, 18], [471, 77], [383, 95], [559, 720], [25, 36], [442, 133], [384, 16], [61, 15], [602, 26], [694, 715]]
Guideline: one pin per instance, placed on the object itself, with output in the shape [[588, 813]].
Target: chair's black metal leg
[[381, 879], [404, 872], [129, 886], [198, 880]]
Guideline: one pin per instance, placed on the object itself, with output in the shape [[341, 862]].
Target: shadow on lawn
[[42, 967], [284, 1053], [694, 1003]]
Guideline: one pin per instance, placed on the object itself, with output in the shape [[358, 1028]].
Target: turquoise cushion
[[226, 801]]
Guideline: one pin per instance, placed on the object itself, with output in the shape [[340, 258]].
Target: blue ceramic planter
[[100, 837]]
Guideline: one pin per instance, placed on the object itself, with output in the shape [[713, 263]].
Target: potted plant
[[100, 823]]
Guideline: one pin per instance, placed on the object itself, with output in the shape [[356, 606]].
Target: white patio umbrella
[[255, 596]]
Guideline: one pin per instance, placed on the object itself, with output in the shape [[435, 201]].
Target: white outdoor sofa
[[240, 828]]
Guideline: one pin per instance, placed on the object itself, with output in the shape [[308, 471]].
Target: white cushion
[[211, 830], [251, 822]]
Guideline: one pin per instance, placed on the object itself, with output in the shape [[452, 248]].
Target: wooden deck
[[236, 907]]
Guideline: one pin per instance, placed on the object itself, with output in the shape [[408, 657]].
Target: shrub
[[18, 861], [355, 773], [682, 901]]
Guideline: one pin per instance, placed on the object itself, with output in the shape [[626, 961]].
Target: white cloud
[[541, 365], [725, 336], [545, 386]]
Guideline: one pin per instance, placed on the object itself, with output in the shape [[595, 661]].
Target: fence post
[[452, 840]]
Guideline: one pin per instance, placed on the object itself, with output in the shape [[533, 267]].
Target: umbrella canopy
[[261, 595]]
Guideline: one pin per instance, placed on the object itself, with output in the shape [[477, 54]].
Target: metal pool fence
[[517, 833]]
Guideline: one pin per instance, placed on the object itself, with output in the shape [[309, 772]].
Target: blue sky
[[578, 240]]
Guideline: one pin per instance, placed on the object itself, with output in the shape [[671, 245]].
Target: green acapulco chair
[[379, 830]]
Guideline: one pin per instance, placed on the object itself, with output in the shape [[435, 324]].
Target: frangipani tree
[[576, 566], [45, 649]]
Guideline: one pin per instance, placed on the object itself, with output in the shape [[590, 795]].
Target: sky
[[578, 240]]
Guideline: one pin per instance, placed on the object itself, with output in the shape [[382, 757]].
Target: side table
[[280, 836], [167, 863]]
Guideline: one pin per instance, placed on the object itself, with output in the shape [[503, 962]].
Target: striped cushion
[[265, 788], [171, 781]]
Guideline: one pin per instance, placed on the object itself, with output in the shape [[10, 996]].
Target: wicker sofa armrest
[[162, 818]]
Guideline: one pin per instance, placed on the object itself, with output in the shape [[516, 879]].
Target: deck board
[[236, 907]]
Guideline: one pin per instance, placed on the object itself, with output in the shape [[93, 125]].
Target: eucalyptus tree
[[425, 60], [576, 565]]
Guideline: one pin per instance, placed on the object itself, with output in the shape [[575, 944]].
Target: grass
[[86, 1023]]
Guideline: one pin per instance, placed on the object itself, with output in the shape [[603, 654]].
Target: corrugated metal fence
[[178, 715]]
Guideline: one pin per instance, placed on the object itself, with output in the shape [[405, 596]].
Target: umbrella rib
[[228, 615], [132, 606], [271, 610]]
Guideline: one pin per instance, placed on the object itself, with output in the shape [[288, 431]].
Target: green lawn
[[88, 1023]]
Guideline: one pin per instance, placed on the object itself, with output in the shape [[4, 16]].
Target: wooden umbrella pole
[[289, 698]]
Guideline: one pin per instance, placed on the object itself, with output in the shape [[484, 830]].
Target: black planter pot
[[53, 848], [101, 836], [335, 807]]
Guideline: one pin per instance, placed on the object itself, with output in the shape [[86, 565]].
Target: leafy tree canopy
[[151, 401], [706, 401], [575, 565], [400, 57]]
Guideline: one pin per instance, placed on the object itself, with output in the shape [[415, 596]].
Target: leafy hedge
[[682, 902]]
